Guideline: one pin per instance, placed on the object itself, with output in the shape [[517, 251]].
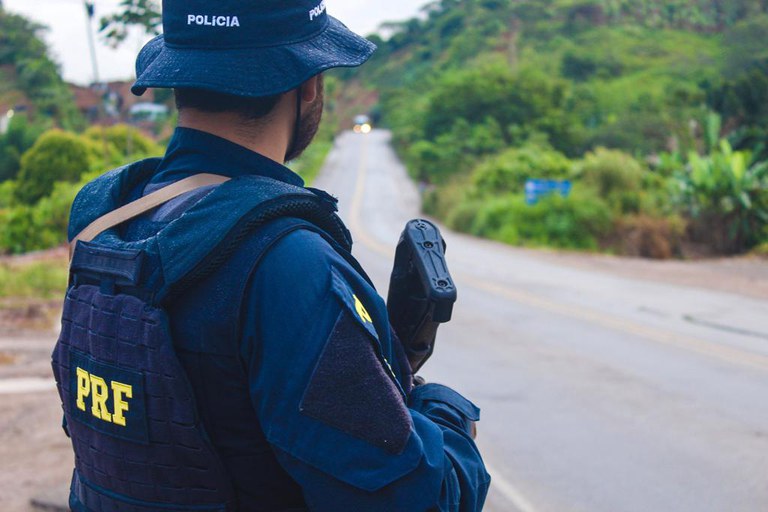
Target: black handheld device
[[421, 290]]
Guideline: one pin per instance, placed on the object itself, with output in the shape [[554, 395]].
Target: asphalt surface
[[600, 392]]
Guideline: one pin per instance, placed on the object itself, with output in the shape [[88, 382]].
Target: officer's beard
[[310, 122]]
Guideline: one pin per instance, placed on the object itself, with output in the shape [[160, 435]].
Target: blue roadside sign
[[535, 189]]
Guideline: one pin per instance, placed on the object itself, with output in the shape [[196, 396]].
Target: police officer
[[299, 383]]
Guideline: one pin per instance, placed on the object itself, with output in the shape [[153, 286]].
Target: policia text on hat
[[221, 349]]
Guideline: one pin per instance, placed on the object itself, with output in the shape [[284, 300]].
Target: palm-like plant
[[726, 195]]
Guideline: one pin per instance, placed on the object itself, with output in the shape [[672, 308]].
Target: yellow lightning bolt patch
[[361, 311]]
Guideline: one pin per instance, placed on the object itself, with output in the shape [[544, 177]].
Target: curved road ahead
[[600, 393]]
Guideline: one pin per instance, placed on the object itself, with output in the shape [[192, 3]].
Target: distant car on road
[[362, 124]]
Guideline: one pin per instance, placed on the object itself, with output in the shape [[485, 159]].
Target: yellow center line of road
[[505, 488], [699, 346], [715, 350], [355, 217]]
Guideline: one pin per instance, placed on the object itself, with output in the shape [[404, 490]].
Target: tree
[[145, 14], [34, 73], [528, 100]]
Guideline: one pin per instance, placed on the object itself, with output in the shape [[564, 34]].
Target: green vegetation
[[56, 156], [34, 208], [33, 97], [132, 13], [726, 195], [21, 135], [483, 95], [115, 145], [40, 279], [308, 165], [27, 73], [310, 162], [655, 110], [573, 223]]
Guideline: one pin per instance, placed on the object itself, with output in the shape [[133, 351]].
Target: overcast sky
[[68, 41]]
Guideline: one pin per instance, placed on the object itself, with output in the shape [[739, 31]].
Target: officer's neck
[[269, 137]]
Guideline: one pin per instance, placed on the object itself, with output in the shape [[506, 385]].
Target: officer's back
[[300, 393]]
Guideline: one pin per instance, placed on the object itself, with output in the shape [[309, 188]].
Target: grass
[[45, 279], [761, 250], [311, 161]]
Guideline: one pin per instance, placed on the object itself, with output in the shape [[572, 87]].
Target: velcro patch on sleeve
[[352, 391]]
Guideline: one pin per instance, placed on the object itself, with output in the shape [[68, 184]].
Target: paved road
[[599, 392]]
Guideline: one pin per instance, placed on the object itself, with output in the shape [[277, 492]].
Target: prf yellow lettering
[[93, 386], [99, 396], [83, 387], [120, 390]]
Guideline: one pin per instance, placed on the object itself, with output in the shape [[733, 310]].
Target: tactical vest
[[128, 405]]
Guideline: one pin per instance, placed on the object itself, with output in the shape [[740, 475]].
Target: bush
[[114, 145], [56, 156], [310, 162], [17, 228], [508, 172], [424, 157], [454, 152], [649, 237], [6, 193], [25, 228], [53, 171], [576, 222], [528, 98], [21, 136], [761, 250], [582, 64], [462, 217], [441, 201], [44, 279], [726, 196], [616, 176]]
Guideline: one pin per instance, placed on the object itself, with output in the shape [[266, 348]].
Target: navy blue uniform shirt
[[299, 382]]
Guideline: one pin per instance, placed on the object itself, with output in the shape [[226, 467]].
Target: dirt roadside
[[35, 455], [36, 458], [744, 275]]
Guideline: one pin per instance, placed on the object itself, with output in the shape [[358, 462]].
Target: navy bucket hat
[[246, 47]]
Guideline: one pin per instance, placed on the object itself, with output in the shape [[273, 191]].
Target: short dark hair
[[250, 109]]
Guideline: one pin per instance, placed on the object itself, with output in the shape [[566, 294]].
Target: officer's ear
[[312, 88]]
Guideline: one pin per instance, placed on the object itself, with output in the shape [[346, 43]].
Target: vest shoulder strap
[[193, 245], [143, 205]]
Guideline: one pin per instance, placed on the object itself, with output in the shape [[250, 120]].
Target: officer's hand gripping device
[[421, 291]]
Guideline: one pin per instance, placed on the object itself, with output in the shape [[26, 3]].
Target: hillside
[[33, 96], [28, 77], [625, 69], [483, 94]]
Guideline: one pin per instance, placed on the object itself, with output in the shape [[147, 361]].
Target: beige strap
[[144, 204]]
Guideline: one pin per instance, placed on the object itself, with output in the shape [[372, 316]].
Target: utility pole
[[89, 12]]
